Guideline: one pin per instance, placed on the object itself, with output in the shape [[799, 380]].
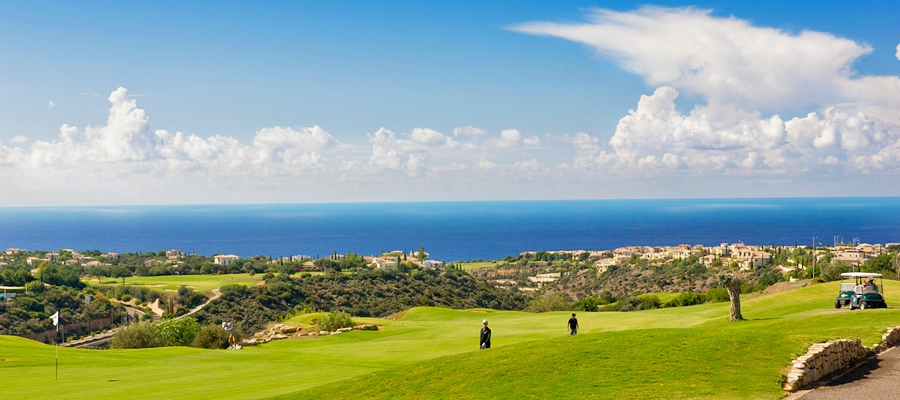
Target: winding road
[[105, 337]]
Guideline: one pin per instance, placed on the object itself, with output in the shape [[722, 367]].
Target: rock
[[324, 332], [289, 329], [344, 330], [365, 327]]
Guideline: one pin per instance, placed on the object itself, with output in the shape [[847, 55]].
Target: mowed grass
[[689, 352], [473, 265], [171, 283]]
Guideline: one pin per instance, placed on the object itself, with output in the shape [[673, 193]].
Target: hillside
[[708, 359]]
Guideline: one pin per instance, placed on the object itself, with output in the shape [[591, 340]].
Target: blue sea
[[449, 230]]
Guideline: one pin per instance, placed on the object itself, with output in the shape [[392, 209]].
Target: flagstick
[[57, 352]]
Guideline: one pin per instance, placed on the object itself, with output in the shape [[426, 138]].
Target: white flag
[[55, 318]]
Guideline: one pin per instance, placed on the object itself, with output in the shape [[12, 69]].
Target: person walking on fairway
[[573, 325], [485, 335]]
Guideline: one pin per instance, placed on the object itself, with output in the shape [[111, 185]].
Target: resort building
[[225, 259]]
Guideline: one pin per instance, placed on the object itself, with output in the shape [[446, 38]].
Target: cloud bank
[[743, 75], [125, 159], [741, 72]]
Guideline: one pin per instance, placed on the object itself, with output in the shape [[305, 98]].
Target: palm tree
[[732, 283]]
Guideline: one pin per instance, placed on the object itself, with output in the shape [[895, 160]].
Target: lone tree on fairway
[[732, 283], [121, 272]]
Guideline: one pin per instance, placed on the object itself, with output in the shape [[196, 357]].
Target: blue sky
[[363, 101]]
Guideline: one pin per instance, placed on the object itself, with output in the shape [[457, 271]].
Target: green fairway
[[202, 283], [473, 265], [688, 352]]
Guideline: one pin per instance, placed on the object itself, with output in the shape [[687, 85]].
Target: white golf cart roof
[[860, 275]]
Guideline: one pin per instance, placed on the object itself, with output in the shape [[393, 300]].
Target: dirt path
[[216, 294], [107, 336]]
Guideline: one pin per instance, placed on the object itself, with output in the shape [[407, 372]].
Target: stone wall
[[826, 359]]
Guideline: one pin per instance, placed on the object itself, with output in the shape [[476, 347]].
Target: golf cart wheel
[[863, 305], [837, 304]]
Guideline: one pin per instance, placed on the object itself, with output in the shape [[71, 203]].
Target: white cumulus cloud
[[740, 71], [728, 61]]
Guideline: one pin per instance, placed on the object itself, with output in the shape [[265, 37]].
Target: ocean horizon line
[[23, 206]]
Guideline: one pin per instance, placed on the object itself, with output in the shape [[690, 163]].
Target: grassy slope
[[201, 283], [531, 357], [706, 358]]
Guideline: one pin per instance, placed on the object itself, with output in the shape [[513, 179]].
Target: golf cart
[[860, 291]]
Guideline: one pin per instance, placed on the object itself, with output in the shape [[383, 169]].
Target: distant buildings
[[225, 259]]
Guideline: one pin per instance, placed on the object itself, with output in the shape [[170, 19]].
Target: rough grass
[[686, 352]]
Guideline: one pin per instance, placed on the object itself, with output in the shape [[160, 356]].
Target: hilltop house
[[225, 259], [174, 253]]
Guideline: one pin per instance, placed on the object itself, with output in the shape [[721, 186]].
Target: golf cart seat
[[865, 289]]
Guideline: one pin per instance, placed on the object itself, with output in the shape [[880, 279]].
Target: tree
[[98, 272], [121, 271], [832, 271], [137, 336], [179, 332], [732, 283], [211, 337], [421, 255]]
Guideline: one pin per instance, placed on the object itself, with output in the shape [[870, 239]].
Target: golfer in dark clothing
[[573, 325], [485, 335]]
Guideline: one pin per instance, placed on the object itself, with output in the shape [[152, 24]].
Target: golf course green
[[687, 352], [171, 283]]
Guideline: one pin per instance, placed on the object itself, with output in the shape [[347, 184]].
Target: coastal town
[[739, 256]]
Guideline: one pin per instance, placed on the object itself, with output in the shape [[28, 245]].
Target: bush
[[141, 335], [555, 302], [629, 303], [34, 287], [717, 295], [179, 332], [686, 299], [588, 304], [125, 297], [335, 320], [211, 337]]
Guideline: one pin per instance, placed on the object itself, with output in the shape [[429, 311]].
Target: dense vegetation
[[363, 294], [26, 315]]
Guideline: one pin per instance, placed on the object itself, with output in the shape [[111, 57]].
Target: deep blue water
[[448, 230]]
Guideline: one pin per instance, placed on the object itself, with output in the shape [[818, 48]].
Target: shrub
[[588, 304], [335, 320], [141, 335], [555, 302], [686, 299], [716, 295], [650, 302], [629, 303], [211, 337], [179, 332], [34, 287], [125, 297]]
